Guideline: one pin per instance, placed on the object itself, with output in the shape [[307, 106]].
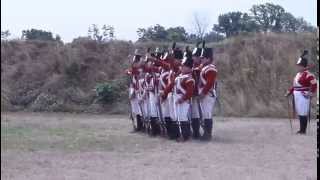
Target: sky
[[71, 18]]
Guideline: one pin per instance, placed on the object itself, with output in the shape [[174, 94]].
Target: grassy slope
[[254, 72]]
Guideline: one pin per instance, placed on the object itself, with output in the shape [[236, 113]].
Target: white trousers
[[145, 106], [165, 108], [207, 106], [153, 105], [182, 111], [135, 106], [301, 103], [171, 104], [195, 108]]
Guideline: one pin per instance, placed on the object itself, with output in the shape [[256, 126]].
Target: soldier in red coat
[[303, 89], [183, 91], [174, 61], [151, 82], [195, 115], [133, 72], [164, 65], [206, 91]]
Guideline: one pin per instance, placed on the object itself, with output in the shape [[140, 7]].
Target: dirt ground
[[85, 146]]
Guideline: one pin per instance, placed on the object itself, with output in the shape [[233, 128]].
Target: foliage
[[36, 34], [5, 35], [178, 34], [107, 92], [264, 17], [107, 34]]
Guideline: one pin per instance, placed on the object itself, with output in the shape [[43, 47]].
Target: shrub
[[108, 92]]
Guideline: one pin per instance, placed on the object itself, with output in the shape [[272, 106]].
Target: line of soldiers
[[172, 93]]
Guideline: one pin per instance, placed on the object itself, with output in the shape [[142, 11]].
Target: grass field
[[86, 146]]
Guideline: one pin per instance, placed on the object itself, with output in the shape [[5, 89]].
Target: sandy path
[[68, 146]]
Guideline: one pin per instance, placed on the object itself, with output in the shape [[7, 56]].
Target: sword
[[180, 138], [309, 113], [290, 115], [162, 123], [131, 114], [200, 113]]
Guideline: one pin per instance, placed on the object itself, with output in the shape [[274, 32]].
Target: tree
[[159, 33], [58, 38], [233, 23], [200, 25], [153, 33], [142, 34], [35, 34], [268, 16], [289, 23], [248, 23], [94, 33], [213, 36], [5, 35], [177, 34], [108, 33], [304, 26]]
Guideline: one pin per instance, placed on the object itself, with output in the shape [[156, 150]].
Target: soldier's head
[[302, 62], [187, 64], [158, 54], [206, 56], [177, 54], [196, 54], [136, 58]]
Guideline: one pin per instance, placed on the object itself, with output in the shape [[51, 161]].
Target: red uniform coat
[[305, 81], [208, 76]]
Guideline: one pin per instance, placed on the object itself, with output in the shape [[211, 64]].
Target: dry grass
[[254, 72], [85, 146]]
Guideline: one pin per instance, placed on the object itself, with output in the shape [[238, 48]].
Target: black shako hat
[[187, 61], [303, 60], [196, 51], [177, 53], [137, 56]]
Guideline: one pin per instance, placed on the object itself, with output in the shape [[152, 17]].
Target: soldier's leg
[[303, 124], [158, 126], [195, 124], [168, 125], [175, 130], [155, 127], [207, 105], [185, 128], [302, 109], [207, 129], [139, 122]]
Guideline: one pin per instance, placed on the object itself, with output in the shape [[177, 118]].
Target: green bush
[[108, 92]]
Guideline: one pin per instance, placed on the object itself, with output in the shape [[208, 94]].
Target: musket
[[147, 120], [158, 103], [309, 113], [180, 138], [290, 115], [200, 113], [131, 114]]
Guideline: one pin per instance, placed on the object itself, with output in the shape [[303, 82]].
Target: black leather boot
[[304, 124], [153, 123], [139, 123], [195, 123], [158, 126], [174, 130], [207, 135], [168, 125], [185, 128]]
